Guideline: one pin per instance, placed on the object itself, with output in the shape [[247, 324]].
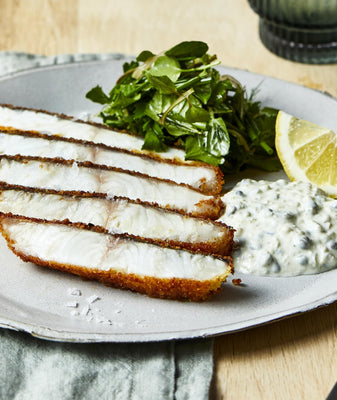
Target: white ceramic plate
[[39, 301]]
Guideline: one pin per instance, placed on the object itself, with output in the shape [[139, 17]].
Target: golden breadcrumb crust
[[221, 246], [165, 288], [216, 249], [210, 208]]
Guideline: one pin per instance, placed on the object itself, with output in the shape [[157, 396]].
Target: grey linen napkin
[[36, 369]]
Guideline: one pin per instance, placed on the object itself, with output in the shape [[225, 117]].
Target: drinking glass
[[299, 30]]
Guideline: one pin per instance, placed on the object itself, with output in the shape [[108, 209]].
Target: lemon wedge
[[307, 152]]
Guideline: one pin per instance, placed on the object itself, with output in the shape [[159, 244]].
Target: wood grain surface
[[293, 359]]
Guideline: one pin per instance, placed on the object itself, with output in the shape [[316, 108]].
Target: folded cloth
[[36, 369]]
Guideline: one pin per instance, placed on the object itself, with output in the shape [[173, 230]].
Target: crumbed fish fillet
[[71, 176], [119, 216], [125, 263], [170, 164], [25, 143]]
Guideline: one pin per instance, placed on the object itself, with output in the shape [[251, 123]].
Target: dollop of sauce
[[282, 228]]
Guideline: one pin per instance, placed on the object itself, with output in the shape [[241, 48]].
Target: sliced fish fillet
[[71, 176], [14, 142], [119, 216], [166, 165], [126, 263]]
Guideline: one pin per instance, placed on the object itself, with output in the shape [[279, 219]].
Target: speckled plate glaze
[[56, 306]]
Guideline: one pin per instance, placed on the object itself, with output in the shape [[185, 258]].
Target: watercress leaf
[[121, 101], [195, 151], [114, 121], [203, 92], [161, 83], [177, 130], [138, 111], [197, 114], [177, 126], [154, 138], [188, 49], [217, 140], [127, 66], [97, 95], [158, 105], [144, 55], [166, 66]]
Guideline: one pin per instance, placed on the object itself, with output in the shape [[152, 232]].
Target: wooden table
[[290, 359]]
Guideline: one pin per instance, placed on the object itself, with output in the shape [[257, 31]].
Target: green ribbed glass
[[299, 30]]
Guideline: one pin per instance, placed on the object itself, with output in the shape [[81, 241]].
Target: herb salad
[[178, 97]]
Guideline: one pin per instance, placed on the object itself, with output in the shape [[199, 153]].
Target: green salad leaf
[[178, 97]]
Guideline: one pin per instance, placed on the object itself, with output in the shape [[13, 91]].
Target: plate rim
[[125, 57], [43, 332]]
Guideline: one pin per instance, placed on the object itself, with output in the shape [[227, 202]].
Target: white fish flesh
[[71, 176], [120, 216], [113, 148], [127, 263]]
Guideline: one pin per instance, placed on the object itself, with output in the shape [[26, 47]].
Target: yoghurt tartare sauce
[[282, 228]]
